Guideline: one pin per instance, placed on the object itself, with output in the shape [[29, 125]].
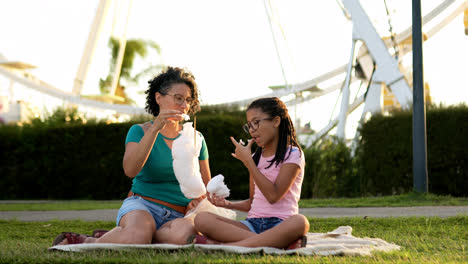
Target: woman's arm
[[205, 171], [136, 154]]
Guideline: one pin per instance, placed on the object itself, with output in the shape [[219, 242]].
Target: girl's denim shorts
[[160, 214], [259, 225]]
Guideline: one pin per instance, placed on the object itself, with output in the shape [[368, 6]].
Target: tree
[[133, 48]]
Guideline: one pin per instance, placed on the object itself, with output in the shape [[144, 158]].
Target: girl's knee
[[301, 222], [202, 220], [176, 233]]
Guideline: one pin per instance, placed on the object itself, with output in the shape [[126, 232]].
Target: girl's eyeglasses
[[254, 124], [179, 99]]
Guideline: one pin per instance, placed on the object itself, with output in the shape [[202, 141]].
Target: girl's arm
[[243, 206], [273, 191]]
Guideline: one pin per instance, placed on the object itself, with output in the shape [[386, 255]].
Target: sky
[[228, 45]]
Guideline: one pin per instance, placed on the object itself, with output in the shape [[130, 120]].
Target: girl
[[276, 172]]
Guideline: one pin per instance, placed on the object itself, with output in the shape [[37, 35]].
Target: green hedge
[[85, 161], [385, 153], [80, 161], [217, 130], [59, 161], [329, 171]]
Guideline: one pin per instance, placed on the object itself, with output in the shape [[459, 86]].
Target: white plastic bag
[[186, 166], [206, 206]]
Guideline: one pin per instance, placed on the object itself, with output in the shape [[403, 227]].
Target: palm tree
[[133, 48]]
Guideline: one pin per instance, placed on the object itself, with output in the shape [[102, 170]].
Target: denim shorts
[[160, 214], [259, 225]]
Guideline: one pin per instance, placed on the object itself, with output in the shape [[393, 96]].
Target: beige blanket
[[337, 242]]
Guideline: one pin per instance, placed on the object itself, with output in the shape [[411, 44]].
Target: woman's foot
[[99, 233], [67, 238]]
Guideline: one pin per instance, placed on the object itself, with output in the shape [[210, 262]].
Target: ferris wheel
[[374, 64]]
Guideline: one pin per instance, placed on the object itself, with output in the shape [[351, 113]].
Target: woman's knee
[[136, 235], [137, 227]]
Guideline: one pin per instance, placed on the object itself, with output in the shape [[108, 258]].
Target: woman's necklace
[[168, 138]]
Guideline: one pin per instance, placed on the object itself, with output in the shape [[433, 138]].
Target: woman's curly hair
[[162, 84]]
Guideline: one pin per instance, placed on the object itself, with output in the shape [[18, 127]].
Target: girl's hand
[[242, 153], [218, 201], [166, 116]]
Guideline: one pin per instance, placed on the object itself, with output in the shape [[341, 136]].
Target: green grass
[[423, 240], [44, 205], [411, 199]]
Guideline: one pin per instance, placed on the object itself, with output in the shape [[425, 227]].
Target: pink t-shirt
[[287, 206]]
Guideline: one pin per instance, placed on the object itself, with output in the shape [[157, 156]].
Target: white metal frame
[[387, 71]]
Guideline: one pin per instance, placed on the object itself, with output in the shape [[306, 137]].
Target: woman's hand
[[194, 203], [166, 116], [242, 153], [218, 201]]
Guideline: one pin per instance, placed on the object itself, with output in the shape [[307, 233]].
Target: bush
[[328, 171], [64, 162], [217, 129], [84, 161], [70, 160], [385, 152]]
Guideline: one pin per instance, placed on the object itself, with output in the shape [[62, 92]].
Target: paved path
[[110, 214]]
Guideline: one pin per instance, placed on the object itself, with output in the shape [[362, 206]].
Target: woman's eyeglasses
[[179, 99], [254, 124]]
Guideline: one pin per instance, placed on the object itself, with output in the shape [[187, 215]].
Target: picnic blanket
[[338, 242]]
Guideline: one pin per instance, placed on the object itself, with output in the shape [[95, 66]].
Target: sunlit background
[[228, 46]]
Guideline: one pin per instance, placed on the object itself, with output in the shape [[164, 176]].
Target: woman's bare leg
[[220, 228], [279, 236], [175, 231], [135, 227]]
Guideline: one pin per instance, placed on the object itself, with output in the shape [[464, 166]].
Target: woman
[[154, 210]]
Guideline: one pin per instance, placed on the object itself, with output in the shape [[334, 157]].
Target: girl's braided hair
[[273, 106]]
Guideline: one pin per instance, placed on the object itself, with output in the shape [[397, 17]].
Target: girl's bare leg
[[220, 228], [279, 236]]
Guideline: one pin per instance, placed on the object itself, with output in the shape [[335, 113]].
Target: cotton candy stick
[[194, 131]]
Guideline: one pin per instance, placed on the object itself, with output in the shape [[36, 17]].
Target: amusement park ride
[[375, 65]]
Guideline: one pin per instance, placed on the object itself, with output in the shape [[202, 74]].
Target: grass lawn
[[410, 199], [423, 240]]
